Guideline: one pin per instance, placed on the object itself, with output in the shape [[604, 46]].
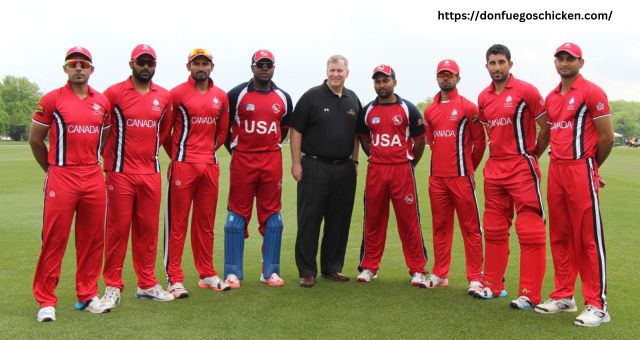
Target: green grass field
[[386, 308]]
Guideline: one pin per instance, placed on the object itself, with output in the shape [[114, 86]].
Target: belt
[[329, 160]]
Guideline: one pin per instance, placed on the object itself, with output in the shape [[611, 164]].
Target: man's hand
[[296, 171]]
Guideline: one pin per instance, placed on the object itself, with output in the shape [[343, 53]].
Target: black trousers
[[326, 191]]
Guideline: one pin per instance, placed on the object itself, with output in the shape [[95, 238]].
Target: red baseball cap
[[79, 50], [142, 49], [196, 52], [448, 65], [570, 48], [384, 69], [262, 54]]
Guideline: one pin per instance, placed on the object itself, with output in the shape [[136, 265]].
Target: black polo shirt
[[327, 122]]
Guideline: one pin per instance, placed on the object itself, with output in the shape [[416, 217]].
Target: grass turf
[[385, 308]]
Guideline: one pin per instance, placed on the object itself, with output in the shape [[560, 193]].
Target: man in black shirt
[[324, 153]]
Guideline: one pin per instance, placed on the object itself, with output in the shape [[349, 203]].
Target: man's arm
[[418, 149], [543, 135], [605, 141], [365, 142], [479, 140], [36, 139], [103, 139], [296, 154]]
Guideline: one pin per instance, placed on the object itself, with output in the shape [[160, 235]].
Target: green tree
[[19, 99], [4, 120], [423, 104], [626, 123]]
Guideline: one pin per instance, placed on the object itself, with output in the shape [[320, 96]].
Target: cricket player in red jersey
[[581, 139], [510, 109], [200, 123], [74, 117], [392, 134], [457, 141], [259, 120], [133, 181]]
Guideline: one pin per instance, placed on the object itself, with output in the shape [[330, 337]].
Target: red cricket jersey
[[137, 128], [392, 128], [75, 125], [200, 123], [510, 118], [258, 119], [571, 116], [456, 137]]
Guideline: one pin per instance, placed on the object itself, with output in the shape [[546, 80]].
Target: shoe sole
[[443, 284], [515, 305], [480, 296], [180, 296], [580, 324], [419, 285], [150, 297], [46, 319], [544, 311], [215, 289], [233, 286]]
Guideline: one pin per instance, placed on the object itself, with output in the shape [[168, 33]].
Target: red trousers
[[395, 182], [446, 195], [576, 231], [520, 187], [133, 205], [70, 190], [189, 183], [259, 175]]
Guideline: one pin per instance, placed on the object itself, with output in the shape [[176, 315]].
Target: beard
[[143, 78], [447, 87]]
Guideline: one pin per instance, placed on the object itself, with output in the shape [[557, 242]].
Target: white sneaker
[[94, 306], [155, 293], [522, 303], [111, 297], [232, 281], [435, 281], [46, 314], [419, 280], [178, 291], [475, 287], [592, 317], [213, 282], [366, 275], [273, 281], [486, 293], [552, 306]]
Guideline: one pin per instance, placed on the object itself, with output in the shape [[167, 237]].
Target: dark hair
[[499, 49]]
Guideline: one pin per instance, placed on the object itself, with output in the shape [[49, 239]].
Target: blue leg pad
[[271, 245], [233, 244]]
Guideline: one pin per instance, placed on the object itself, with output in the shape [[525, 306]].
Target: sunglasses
[[268, 65], [73, 63], [199, 51], [143, 62], [446, 75]]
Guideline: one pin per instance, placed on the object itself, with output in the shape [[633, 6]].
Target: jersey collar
[[574, 86], [452, 95]]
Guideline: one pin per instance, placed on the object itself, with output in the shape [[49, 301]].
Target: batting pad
[[233, 244], [271, 245]]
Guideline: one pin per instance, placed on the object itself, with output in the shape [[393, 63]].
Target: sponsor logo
[[499, 122], [508, 102], [375, 120], [351, 112], [145, 123], [408, 199], [97, 110], [570, 106], [250, 107], [397, 119], [90, 129], [562, 125], [156, 105], [216, 103], [454, 115], [444, 133], [600, 106], [275, 108], [385, 140], [260, 127], [380, 68], [203, 120]]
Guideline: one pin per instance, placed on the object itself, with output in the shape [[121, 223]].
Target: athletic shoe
[[93, 306], [434, 281], [213, 282], [592, 317], [232, 281], [111, 297], [486, 293], [552, 306], [419, 280], [522, 303], [475, 287], [274, 280], [155, 293], [178, 291], [46, 314], [366, 275]]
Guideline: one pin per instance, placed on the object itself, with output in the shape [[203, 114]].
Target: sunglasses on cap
[[199, 51], [142, 62], [73, 63], [263, 64], [446, 75]]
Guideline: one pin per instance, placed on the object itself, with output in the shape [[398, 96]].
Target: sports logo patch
[[250, 107], [600, 106], [275, 108], [375, 120], [508, 102], [408, 199], [397, 119], [96, 109], [454, 115], [40, 110], [156, 105], [216, 103]]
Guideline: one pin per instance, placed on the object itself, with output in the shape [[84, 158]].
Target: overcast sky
[[404, 34]]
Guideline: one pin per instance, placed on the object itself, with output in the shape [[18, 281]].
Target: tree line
[[19, 98]]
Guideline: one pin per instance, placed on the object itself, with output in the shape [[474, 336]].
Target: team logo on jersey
[[96, 109], [375, 120], [110, 187], [178, 182], [276, 108], [570, 106], [408, 199], [216, 103], [156, 105], [454, 115], [397, 119], [250, 107], [508, 102], [600, 106], [52, 194]]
